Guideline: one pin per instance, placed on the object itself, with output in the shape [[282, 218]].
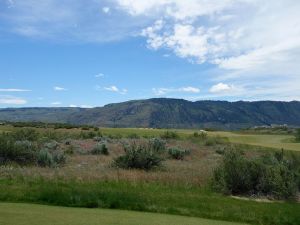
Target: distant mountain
[[167, 113]]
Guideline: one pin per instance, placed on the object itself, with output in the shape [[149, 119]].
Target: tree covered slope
[[167, 113]]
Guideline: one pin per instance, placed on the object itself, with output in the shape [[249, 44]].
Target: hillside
[[167, 113]]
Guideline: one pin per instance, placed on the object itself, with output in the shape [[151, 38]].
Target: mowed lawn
[[264, 140], [32, 214]]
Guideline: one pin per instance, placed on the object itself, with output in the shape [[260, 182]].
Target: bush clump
[[138, 157], [212, 141], [157, 144], [100, 149], [47, 159], [169, 135], [53, 145], [297, 135], [273, 175], [178, 153], [27, 134], [202, 135], [21, 152]]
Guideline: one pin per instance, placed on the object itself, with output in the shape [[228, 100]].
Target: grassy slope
[[31, 214]]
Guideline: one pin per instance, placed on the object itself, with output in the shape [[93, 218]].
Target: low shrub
[[138, 157], [59, 158], [157, 144], [269, 175], [216, 140], [100, 149], [169, 135], [97, 138], [70, 150], [26, 134], [53, 145], [202, 135], [221, 150], [115, 136], [45, 158], [297, 135], [178, 153], [133, 136], [89, 135], [21, 152]]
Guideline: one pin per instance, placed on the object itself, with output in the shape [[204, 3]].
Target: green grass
[[263, 140], [31, 214], [149, 197]]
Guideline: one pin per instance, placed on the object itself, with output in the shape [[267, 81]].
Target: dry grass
[[195, 169]]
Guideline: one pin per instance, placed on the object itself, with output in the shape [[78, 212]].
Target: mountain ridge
[[166, 113]]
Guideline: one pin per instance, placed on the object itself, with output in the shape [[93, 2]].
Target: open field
[[178, 186], [276, 141], [30, 214], [264, 140]]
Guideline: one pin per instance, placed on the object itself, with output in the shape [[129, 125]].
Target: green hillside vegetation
[[167, 113]]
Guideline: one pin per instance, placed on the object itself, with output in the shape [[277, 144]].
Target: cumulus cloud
[[11, 100], [221, 87], [247, 40], [56, 88]]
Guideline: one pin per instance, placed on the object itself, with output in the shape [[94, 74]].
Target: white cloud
[[13, 90], [189, 89], [163, 91], [221, 87], [81, 106], [106, 9], [178, 9], [11, 100], [114, 88], [59, 88], [249, 41], [99, 75], [56, 103]]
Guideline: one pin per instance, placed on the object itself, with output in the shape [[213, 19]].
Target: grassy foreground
[[150, 197], [31, 214]]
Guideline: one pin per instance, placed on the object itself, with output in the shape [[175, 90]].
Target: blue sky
[[91, 53]]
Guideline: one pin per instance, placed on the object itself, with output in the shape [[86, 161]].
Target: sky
[[88, 53]]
